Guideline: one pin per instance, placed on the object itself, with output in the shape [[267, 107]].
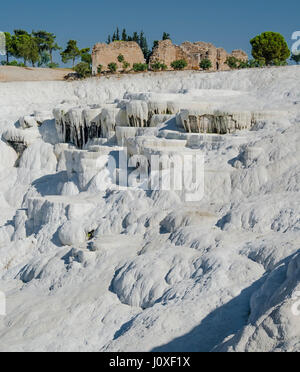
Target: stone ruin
[[194, 53], [166, 52], [104, 54]]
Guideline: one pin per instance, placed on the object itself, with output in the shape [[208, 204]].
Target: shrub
[[140, 67], [243, 64], [12, 63], [83, 69], [232, 62], [180, 64], [112, 67], [270, 47], [256, 63], [156, 66], [126, 65], [121, 58], [205, 64], [163, 66], [53, 65], [99, 69], [296, 58]]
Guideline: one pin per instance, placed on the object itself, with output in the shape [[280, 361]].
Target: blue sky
[[229, 24]]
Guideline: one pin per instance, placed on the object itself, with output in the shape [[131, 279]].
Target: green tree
[[144, 45], [26, 47], [135, 37], [124, 35], [155, 44], [166, 36], [205, 64], [19, 32], [296, 58], [44, 59], [9, 46], [270, 47], [46, 42], [180, 64], [83, 69], [86, 56], [71, 53]]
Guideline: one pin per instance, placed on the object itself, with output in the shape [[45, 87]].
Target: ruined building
[[165, 52], [194, 53], [104, 54]]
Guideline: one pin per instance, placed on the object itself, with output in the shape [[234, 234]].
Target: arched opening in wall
[[218, 65]]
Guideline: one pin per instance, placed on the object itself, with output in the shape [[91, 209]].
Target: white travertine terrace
[[89, 266]]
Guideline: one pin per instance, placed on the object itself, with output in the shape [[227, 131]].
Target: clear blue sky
[[229, 24]]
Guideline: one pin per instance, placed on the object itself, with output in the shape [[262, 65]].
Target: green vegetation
[[112, 67], [139, 38], [205, 64], [166, 36], [270, 48], [140, 67], [36, 47], [53, 65], [159, 66], [232, 62], [180, 64], [126, 65], [296, 58], [83, 69], [121, 58], [46, 43], [99, 69], [71, 53]]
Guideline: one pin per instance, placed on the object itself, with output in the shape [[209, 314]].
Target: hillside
[[11, 73], [87, 265]]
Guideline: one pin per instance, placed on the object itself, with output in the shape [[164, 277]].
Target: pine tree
[[166, 36], [71, 53], [9, 46], [135, 37], [46, 42], [124, 35], [144, 45], [26, 47]]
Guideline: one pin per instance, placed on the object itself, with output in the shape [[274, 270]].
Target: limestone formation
[[194, 53], [104, 54]]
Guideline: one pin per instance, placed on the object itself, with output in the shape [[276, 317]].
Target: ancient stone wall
[[194, 53], [104, 54]]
